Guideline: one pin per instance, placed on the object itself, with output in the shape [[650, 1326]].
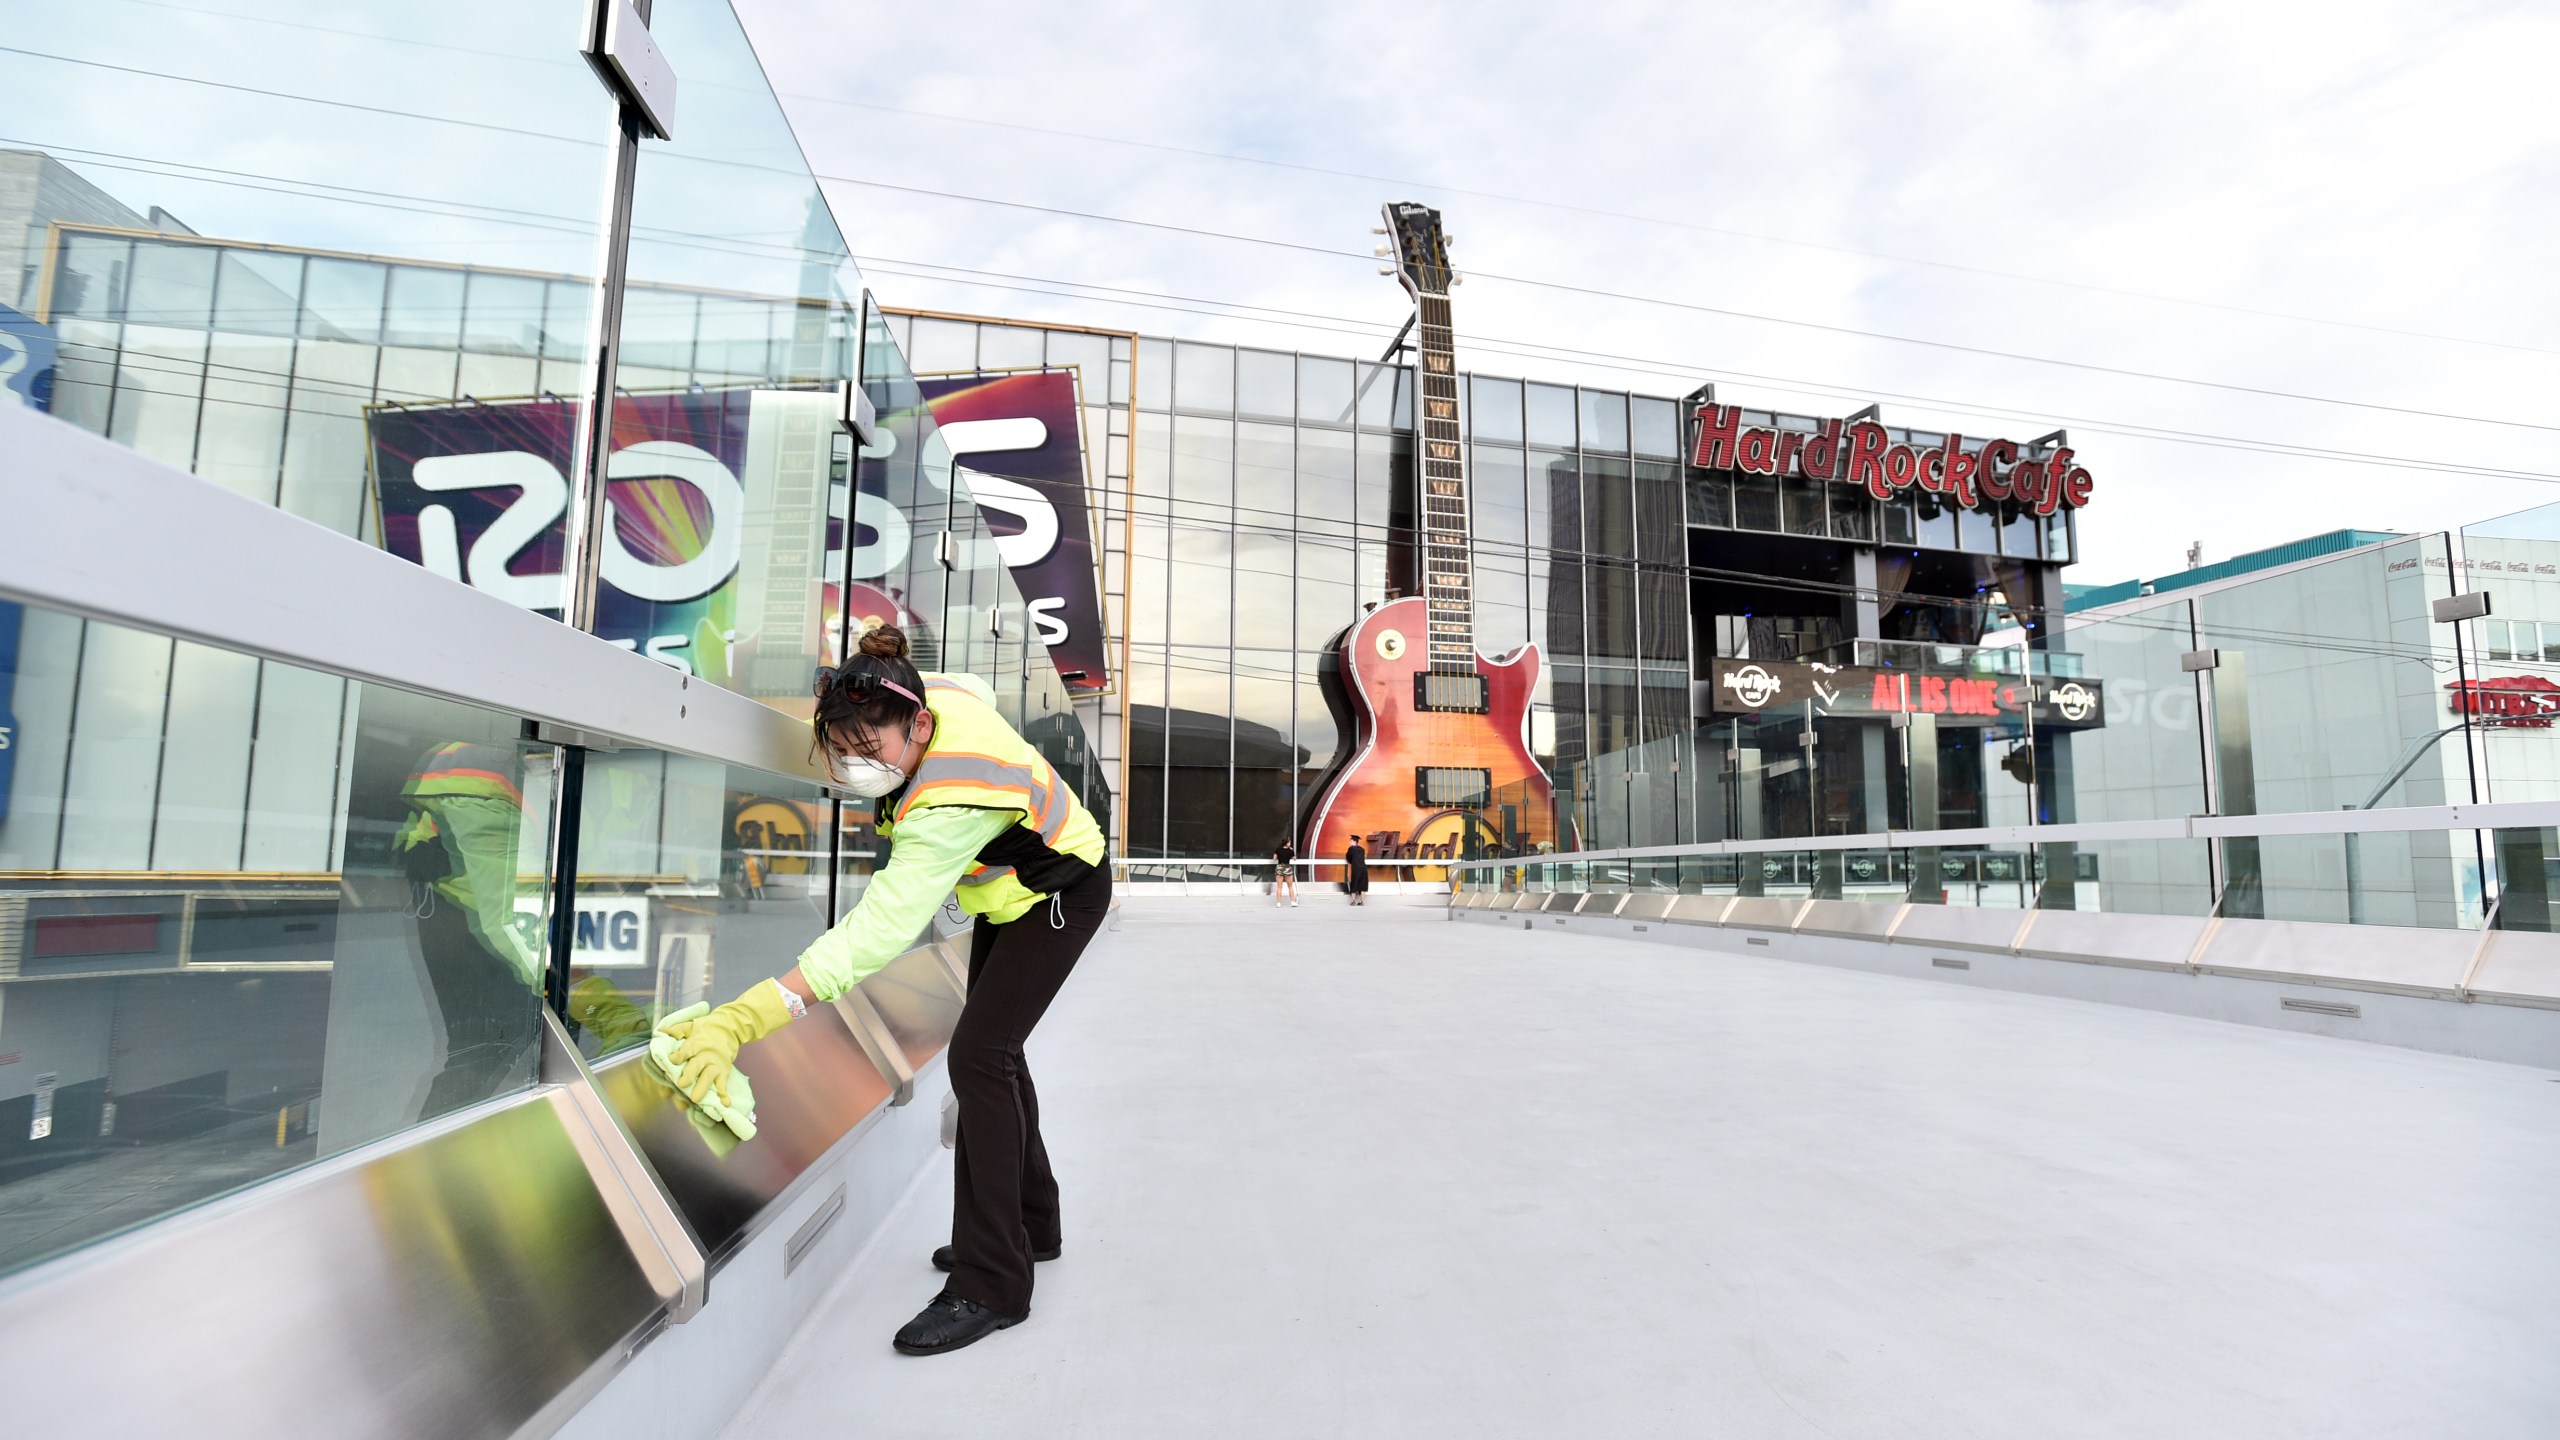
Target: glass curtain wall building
[[252, 912]]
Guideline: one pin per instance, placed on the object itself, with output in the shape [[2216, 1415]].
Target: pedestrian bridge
[[1394, 1171]]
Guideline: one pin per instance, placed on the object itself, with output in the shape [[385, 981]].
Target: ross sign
[[2509, 702], [698, 571], [26, 359], [1863, 454], [1018, 442], [1750, 687]]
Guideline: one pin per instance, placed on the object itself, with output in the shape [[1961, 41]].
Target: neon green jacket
[[979, 781]]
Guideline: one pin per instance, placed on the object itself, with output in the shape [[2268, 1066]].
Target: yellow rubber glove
[[602, 1010], [711, 1044]]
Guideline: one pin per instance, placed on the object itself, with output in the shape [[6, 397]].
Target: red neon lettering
[[2049, 493], [1959, 470], [1789, 443], [1719, 426], [1885, 698], [1821, 456], [1933, 694], [1759, 452], [1989, 477], [1866, 457], [1901, 466], [1933, 472], [2076, 487], [1974, 697], [2027, 482]]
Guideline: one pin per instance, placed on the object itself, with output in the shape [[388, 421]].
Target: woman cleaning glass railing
[[968, 805]]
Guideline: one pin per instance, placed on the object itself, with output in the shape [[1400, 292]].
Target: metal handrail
[[2511, 815]]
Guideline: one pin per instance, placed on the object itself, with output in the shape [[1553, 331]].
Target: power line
[[1595, 292], [1607, 214], [306, 99], [1535, 201], [1532, 350]]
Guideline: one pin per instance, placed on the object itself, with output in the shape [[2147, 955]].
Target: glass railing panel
[[250, 915], [695, 880], [2348, 679], [243, 313], [2509, 686]]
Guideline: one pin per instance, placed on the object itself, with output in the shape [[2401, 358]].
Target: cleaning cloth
[[723, 1121]]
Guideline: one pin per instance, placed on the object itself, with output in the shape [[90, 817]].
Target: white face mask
[[871, 778]]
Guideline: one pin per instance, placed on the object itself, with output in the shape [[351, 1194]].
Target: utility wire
[[1554, 285], [1595, 292]]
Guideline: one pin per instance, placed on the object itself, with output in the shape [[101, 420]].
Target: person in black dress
[[1355, 873]]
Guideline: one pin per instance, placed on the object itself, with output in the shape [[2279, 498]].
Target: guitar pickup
[[1447, 787], [1451, 694]]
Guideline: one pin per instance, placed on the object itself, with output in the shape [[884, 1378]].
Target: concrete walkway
[[1365, 1173]]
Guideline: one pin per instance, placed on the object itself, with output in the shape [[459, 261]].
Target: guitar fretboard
[[1447, 572]]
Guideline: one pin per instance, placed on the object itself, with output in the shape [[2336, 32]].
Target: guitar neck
[[1448, 580]]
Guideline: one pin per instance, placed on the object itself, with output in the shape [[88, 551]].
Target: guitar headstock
[[1421, 250]]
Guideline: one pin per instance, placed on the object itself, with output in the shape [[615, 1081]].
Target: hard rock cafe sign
[[1864, 454]]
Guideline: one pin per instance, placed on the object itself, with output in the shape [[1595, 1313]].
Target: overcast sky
[[2112, 184]]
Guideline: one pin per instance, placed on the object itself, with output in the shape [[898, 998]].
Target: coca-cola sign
[[1864, 454]]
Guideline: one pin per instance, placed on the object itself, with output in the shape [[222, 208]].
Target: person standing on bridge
[[966, 802], [1355, 872]]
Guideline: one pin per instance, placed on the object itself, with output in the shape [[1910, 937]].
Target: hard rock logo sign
[[1864, 454]]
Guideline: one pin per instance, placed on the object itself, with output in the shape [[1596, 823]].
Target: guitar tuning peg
[[1377, 229], [1386, 269], [1378, 250], [1456, 279]]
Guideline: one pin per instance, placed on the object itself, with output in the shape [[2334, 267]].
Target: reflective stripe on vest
[[977, 759]]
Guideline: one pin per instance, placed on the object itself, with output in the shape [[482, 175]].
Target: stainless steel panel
[[1961, 927], [1854, 919], [2368, 957], [2154, 942], [918, 1001], [2519, 967], [460, 1284], [1764, 912], [1699, 909], [813, 1085], [658, 1236], [863, 1019]]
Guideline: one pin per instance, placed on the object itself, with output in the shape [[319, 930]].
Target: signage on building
[[26, 360], [1016, 439], [1752, 687], [612, 930], [2508, 702], [1864, 454]]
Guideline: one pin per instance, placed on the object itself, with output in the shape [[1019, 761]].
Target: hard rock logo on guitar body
[[1440, 767]]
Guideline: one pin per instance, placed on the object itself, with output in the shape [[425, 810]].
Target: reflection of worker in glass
[[459, 848], [965, 801]]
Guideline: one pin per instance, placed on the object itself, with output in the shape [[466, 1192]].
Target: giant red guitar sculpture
[[1440, 766]]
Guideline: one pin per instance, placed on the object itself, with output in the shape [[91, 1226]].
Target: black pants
[[1004, 1202]]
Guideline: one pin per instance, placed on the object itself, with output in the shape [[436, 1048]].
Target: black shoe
[[942, 1259], [949, 1323]]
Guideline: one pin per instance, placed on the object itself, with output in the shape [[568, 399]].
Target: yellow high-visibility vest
[[978, 760]]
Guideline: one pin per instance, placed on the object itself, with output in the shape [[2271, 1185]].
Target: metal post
[[2243, 894], [568, 800], [582, 543], [1920, 767]]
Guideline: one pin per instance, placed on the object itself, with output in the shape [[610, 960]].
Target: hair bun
[[886, 641]]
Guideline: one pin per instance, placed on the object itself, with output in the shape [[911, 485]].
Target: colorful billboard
[[1017, 440], [719, 530]]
